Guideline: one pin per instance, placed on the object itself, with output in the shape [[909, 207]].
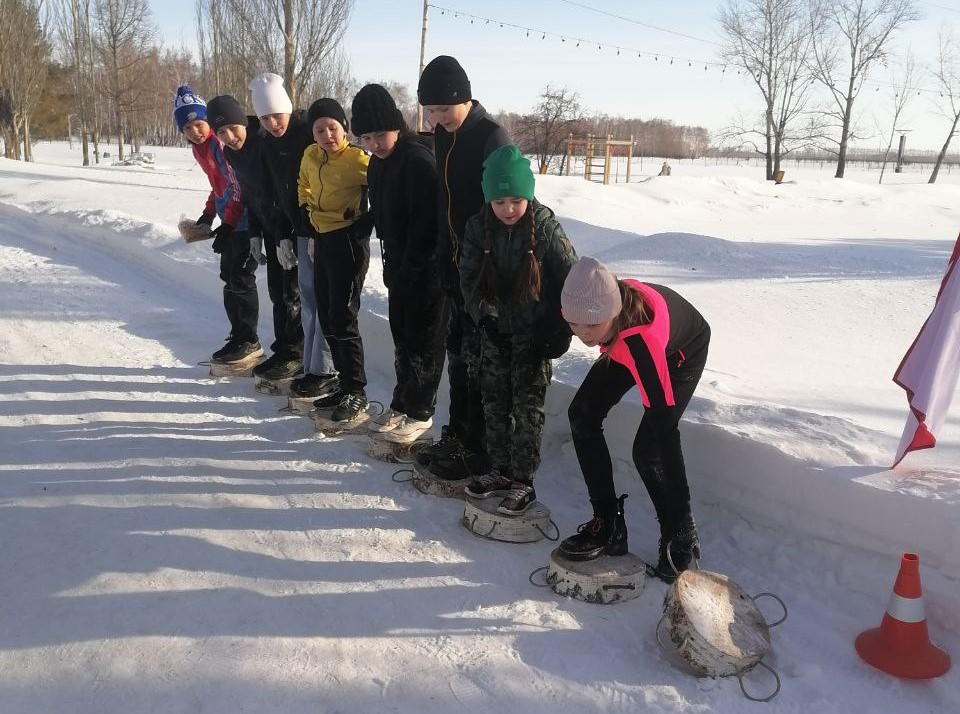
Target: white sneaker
[[388, 421], [408, 430]]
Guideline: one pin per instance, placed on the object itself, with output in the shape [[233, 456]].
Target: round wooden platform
[[242, 368], [273, 387], [394, 453], [481, 517], [426, 482], [604, 580], [301, 405], [358, 425], [716, 626]]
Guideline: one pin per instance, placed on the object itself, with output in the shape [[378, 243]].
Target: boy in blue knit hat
[[230, 239]]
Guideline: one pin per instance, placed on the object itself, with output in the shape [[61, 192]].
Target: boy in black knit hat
[[244, 152], [332, 195], [402, 177], [464, 135]]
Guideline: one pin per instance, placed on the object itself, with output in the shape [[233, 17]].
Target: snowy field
[[174, 543]]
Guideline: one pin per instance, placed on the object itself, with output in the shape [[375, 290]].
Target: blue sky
[[508, 69]]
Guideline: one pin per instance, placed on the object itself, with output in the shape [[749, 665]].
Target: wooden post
[[569, 153], [606, 161], [629, 157], [588, 158], [423, 49]]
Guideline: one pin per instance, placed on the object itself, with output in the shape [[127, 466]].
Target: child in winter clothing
[[230, 240], [464, 135], [654, 340], [332, 192], [286, 136], [244, 152], [402, 177], [514, 260]]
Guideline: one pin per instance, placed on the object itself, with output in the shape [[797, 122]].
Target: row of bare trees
[[121, 78], [23, 67], [559, 113], [810, 59]]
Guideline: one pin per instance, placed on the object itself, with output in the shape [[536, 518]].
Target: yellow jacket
[[329, 185]]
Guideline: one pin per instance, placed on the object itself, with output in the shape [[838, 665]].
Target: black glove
[[305, 229], [205, 220], [220, 236], [490, 329], [553, 345], [361, 228]]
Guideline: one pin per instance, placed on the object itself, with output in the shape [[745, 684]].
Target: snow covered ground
[[174, 543]]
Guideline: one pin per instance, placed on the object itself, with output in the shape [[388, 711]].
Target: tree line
[[96, 69], [811, 60]]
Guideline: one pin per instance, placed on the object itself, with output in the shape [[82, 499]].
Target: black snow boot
[[679, 547], [604, 534]]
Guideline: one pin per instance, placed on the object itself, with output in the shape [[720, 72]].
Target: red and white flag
[[931, 367]]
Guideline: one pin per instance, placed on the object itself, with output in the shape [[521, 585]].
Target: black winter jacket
[[460, 156], [256, 186], [403, 199], [283, 157]]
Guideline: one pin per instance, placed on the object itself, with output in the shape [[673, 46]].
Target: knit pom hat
[[507, 174], [224, 111], [373, 110], [443, 82], [269, 96], [188, 107], [327, 107], [590, 295]]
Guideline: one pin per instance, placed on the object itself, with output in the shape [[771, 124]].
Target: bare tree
[[24, 57], [542, 131], [241, 38], [124, 34], [72, 21], [904, 90], [854, 34], [772, 41], [947, 74]]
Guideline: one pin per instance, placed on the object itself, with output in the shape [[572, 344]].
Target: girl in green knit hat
[[515, 258]]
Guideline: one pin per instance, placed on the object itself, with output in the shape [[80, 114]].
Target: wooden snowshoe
[[604, 580], [481, 517]]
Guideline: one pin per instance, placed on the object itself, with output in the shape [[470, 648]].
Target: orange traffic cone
[[901, 645]]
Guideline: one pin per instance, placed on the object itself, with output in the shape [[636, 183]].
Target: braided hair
[[528, 284]]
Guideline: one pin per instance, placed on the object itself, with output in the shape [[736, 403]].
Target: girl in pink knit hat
[[653, 340]]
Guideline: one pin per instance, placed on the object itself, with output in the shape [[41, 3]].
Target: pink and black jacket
[[224, 199]]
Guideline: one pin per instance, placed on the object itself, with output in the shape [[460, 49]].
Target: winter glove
[[256, 250], [306, 226], [553, 343], [490, 330], [220, 237], [285, 255], [361, 228], [205, 220]]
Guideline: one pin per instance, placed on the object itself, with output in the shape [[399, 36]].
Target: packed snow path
[[173, 543]]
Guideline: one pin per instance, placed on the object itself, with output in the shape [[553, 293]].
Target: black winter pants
[[657, 451], [418, 321], [285, 296], [240, 299], [340, 265], [463, 372]]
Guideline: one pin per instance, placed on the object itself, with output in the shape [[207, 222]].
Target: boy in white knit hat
[[286, 136], [653, 340]]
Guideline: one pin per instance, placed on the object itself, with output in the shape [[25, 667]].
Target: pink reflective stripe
[[655, 336], [621, 354], [906, 609]]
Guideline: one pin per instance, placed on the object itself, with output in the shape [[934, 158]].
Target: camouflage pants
[[513, 383]]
